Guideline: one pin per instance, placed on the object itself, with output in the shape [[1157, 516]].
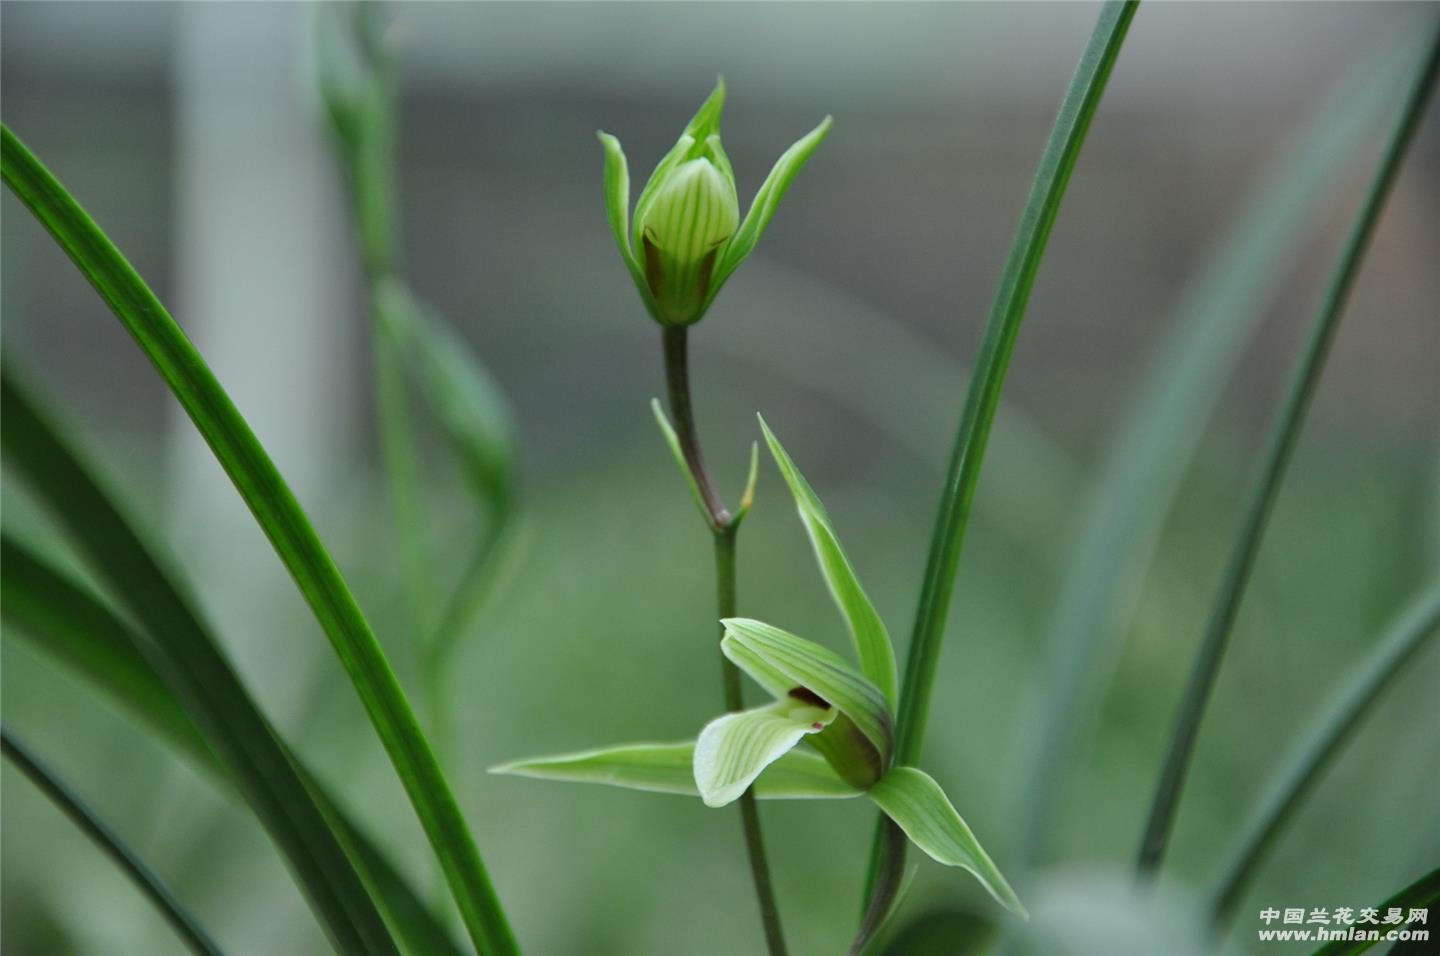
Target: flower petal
[[733, 750], [872, 640], [916, 803], [766, 201], [617, 210], [670, 768], [779, 661]]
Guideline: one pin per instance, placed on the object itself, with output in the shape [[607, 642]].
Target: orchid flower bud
[[688, 235]]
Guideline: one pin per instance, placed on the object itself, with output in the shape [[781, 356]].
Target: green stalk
[[284, 523], [1287, 427], [1310, 759], [66, 621], [1078, 108], [724, 530], [185, 925]]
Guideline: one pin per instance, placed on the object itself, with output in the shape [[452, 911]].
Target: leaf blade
[[64, 620], [1215, 315], [1062, 150], [279, 515], [1302, 769], [195, 667], [1265, 487], [185, 925]]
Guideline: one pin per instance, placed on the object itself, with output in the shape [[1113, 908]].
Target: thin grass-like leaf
[[280, 517], [66, 621], [1308, 761], [1216, 314], [1424, 893], [670, 768], [1263, 492], [59, 793], [1062, 150], [916, 803], [872, 640], [85, 636], [196, 669]]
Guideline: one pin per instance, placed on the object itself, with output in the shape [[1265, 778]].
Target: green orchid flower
[[688, 237], [843, 712]]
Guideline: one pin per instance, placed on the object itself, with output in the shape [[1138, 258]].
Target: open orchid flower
[[688, 236], [843, 713]]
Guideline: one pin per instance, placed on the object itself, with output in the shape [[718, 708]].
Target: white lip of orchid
[[733, 750], [692, 214]]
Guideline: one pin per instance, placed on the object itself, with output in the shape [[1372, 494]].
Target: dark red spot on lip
[[809, 697]]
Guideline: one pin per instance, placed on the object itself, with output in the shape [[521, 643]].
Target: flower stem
[[724, 531]]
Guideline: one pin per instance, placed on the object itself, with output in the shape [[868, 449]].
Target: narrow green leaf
[[66, 621], [85, 636], [59, 793], [1266, 486], [780, 661], [196, 669], [1424, 893], [1309, 760], [1218, 311], [670, 768], [766, 201], [915, 801], [673, 441], [872, 640], [732, 750], [284, 523], [1042, 207]]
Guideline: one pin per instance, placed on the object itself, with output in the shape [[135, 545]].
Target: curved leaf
[[60, 794], [66, 621], [1312, 756], [1266, 485], [286, 525], [916, 803], [196, 669], [872, 640]]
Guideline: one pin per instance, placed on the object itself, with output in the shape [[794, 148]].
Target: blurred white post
[[264, 271]]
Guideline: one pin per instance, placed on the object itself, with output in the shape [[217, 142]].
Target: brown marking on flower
[[809, 697]]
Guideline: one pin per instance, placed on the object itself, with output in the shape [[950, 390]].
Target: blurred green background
[[190, 133]]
